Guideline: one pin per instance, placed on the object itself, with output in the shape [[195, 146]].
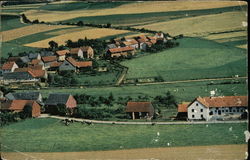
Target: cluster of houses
[[201, 108], [127, 46], [35, 67]]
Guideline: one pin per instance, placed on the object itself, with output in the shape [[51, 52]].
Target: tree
[[108, 25], [80, 23], [69, 43], [53, 44], [61, 109], [27, 112]]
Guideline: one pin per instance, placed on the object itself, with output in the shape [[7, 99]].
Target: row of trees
[[160, 45]]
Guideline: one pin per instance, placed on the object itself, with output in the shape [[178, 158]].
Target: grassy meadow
[[195, 58], [182, 91], [50, 135]]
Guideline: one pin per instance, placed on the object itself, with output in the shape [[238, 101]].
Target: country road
[[140, 123], [186, 81]]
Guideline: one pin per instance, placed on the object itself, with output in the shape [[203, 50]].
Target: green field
[[194, 59], [182, 91], [14, 48], [9, 22], [50, 135]]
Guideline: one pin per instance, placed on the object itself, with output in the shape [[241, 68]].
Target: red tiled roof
[[36, 67], [74, 50], [13, 59], [139, 107], [225, 101], [79, 64], [183, 107], [16, 104], [33, 72], [122, 49], [62, 52], [55, 64], [35, 61], [8, 65], [49, 58]]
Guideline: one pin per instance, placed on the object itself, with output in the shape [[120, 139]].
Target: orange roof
[[62, 52], [16, 104], [35, 61], [142, 37], [36, 67], [183, 107], [36, 73], [153, 41], [74, 50], [79, 64], [225, 101], [151, 38], [55, 64], [122, 49], [8, 65], [49, 58]]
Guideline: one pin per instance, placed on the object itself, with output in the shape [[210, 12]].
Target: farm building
[[67, 66], [130, 43], [82, 52], [19, 106], [35, 96], [217, 108], [9, 67], [122, 51], [139, 110], [16, 77], [42, 75], [182, 111], [80, 64], [62, 54], [60, 99], [48, 59]]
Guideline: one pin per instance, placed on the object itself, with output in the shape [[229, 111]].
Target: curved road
[[139, 123]]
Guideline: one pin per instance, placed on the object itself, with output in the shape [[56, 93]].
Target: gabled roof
[[62, 52], [55, 64], [183, 107], [33, 72], [79, 64], [8, 65], [25, 59], [49, 58], [142, 40], [74, 50], [17, 104], [225, 101], [35, 61], [17, 76], [36, 67], [139, 107], [57, 98], [132, 41], [121, 49], [23, 96]]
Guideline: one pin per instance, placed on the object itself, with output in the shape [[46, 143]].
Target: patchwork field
[[228, 152], [50, 135], [194, 59], [131, 8]]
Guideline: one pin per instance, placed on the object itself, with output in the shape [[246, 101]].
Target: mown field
[[228, 152], [50, 135], [182, 91], [194, 58]]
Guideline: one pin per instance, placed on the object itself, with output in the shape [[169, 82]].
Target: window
[[230, 109], [202, 116], [211, 113], [242, 110], [226, 110], [192, 110], [201, 110], [197, 104], [215, 111], [238, 110], [222, 110], [192, 116], [234, 110]]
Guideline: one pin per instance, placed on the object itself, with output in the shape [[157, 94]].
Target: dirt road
[[217, 152]]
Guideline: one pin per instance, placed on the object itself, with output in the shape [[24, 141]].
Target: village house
[[9, 67], [19, 106], [122, 51], [139, 110], [182, 111], [35, 96], [216, 108], [19, 77], [54, 67], [36, 73], [62, 54], [35, 62], [47, 60], [67, 66], [80, 64], [82, 52], [56, 99], [130, 43]]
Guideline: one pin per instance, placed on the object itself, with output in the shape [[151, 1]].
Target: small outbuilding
[[140, 110]]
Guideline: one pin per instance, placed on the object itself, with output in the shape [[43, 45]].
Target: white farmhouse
[[214, 108]]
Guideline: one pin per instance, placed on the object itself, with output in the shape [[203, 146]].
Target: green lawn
[[9, 22], [194, 59], [182, 91], [50, 135]]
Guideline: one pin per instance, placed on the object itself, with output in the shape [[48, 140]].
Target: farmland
[[229, 152], [190, 61], [56, 137]]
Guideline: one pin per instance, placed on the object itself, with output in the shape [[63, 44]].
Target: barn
[[140, 110]]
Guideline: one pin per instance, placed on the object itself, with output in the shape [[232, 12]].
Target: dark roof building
[[139, 110], [36, 96]]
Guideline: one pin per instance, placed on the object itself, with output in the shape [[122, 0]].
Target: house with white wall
[[215, 108]]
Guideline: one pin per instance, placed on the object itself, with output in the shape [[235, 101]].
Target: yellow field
[[197, 26], [227, 35], [74, 36], [244, 46], [55, 33], [28, 30], [216, 152], [143, 7]]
